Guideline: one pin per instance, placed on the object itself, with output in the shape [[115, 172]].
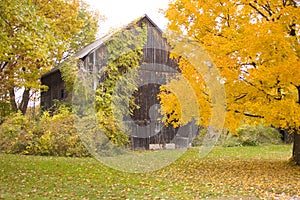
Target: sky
[[121, 12]]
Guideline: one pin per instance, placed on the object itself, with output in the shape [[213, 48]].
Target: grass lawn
[[226, 173]]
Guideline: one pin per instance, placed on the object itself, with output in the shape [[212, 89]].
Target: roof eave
[[91, 47]]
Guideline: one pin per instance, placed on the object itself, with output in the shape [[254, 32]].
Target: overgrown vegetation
[[56, 135], [50, 135], [123, 57], [4, 110]]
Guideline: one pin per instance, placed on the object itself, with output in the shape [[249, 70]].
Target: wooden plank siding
[[56, 89]]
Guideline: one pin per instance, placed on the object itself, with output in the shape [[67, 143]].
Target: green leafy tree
[[36, 36]]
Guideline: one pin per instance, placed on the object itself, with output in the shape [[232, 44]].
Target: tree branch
[[3, 65], [9, 25], [262, 14], [249, 114], [269, 96], [240, 97]]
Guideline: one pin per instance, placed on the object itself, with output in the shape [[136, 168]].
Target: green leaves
[[38, 36], [51, 135], [124, 56]]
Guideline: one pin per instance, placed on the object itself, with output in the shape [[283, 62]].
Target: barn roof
[[91, 47]]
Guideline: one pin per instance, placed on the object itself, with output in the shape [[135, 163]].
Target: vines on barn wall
[[124, 56]]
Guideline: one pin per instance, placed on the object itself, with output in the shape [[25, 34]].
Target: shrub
[[231, 141], [51, 135], [248, 135], [198, 140], [14, 128]]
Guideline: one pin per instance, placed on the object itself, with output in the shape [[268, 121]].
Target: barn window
[[91, 62], [62, 93]]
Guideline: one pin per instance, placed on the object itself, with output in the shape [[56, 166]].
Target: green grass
[[261, 172], [143, 161]]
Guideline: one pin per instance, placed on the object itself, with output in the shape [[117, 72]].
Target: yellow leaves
[[37, 36], [179, 102], [255, 44], [186, 97], [237, 173], [171, 109], [227, 173]]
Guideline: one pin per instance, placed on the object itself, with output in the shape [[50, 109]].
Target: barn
[[157, 65]]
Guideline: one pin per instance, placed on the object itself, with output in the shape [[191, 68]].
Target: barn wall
[[156, 65], [56, 89]]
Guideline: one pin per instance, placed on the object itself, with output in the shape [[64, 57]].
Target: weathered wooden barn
[[56, 89], [156, 65]]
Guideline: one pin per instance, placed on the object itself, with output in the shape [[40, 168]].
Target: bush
[[248, 135], [198, 140], [51, 135], [12, 129], [231, 141]]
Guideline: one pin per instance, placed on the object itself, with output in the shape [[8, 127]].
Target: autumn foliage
[[255, 47], [37, 36], [51, 135]]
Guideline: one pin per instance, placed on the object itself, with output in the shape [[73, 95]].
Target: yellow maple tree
[[255, 46]]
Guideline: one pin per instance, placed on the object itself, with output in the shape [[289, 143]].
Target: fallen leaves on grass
[[237, 174]]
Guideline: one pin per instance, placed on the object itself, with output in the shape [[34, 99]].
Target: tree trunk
[[296, 148], [24, 102], [12, 99], [298, 89], [296, 144]]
